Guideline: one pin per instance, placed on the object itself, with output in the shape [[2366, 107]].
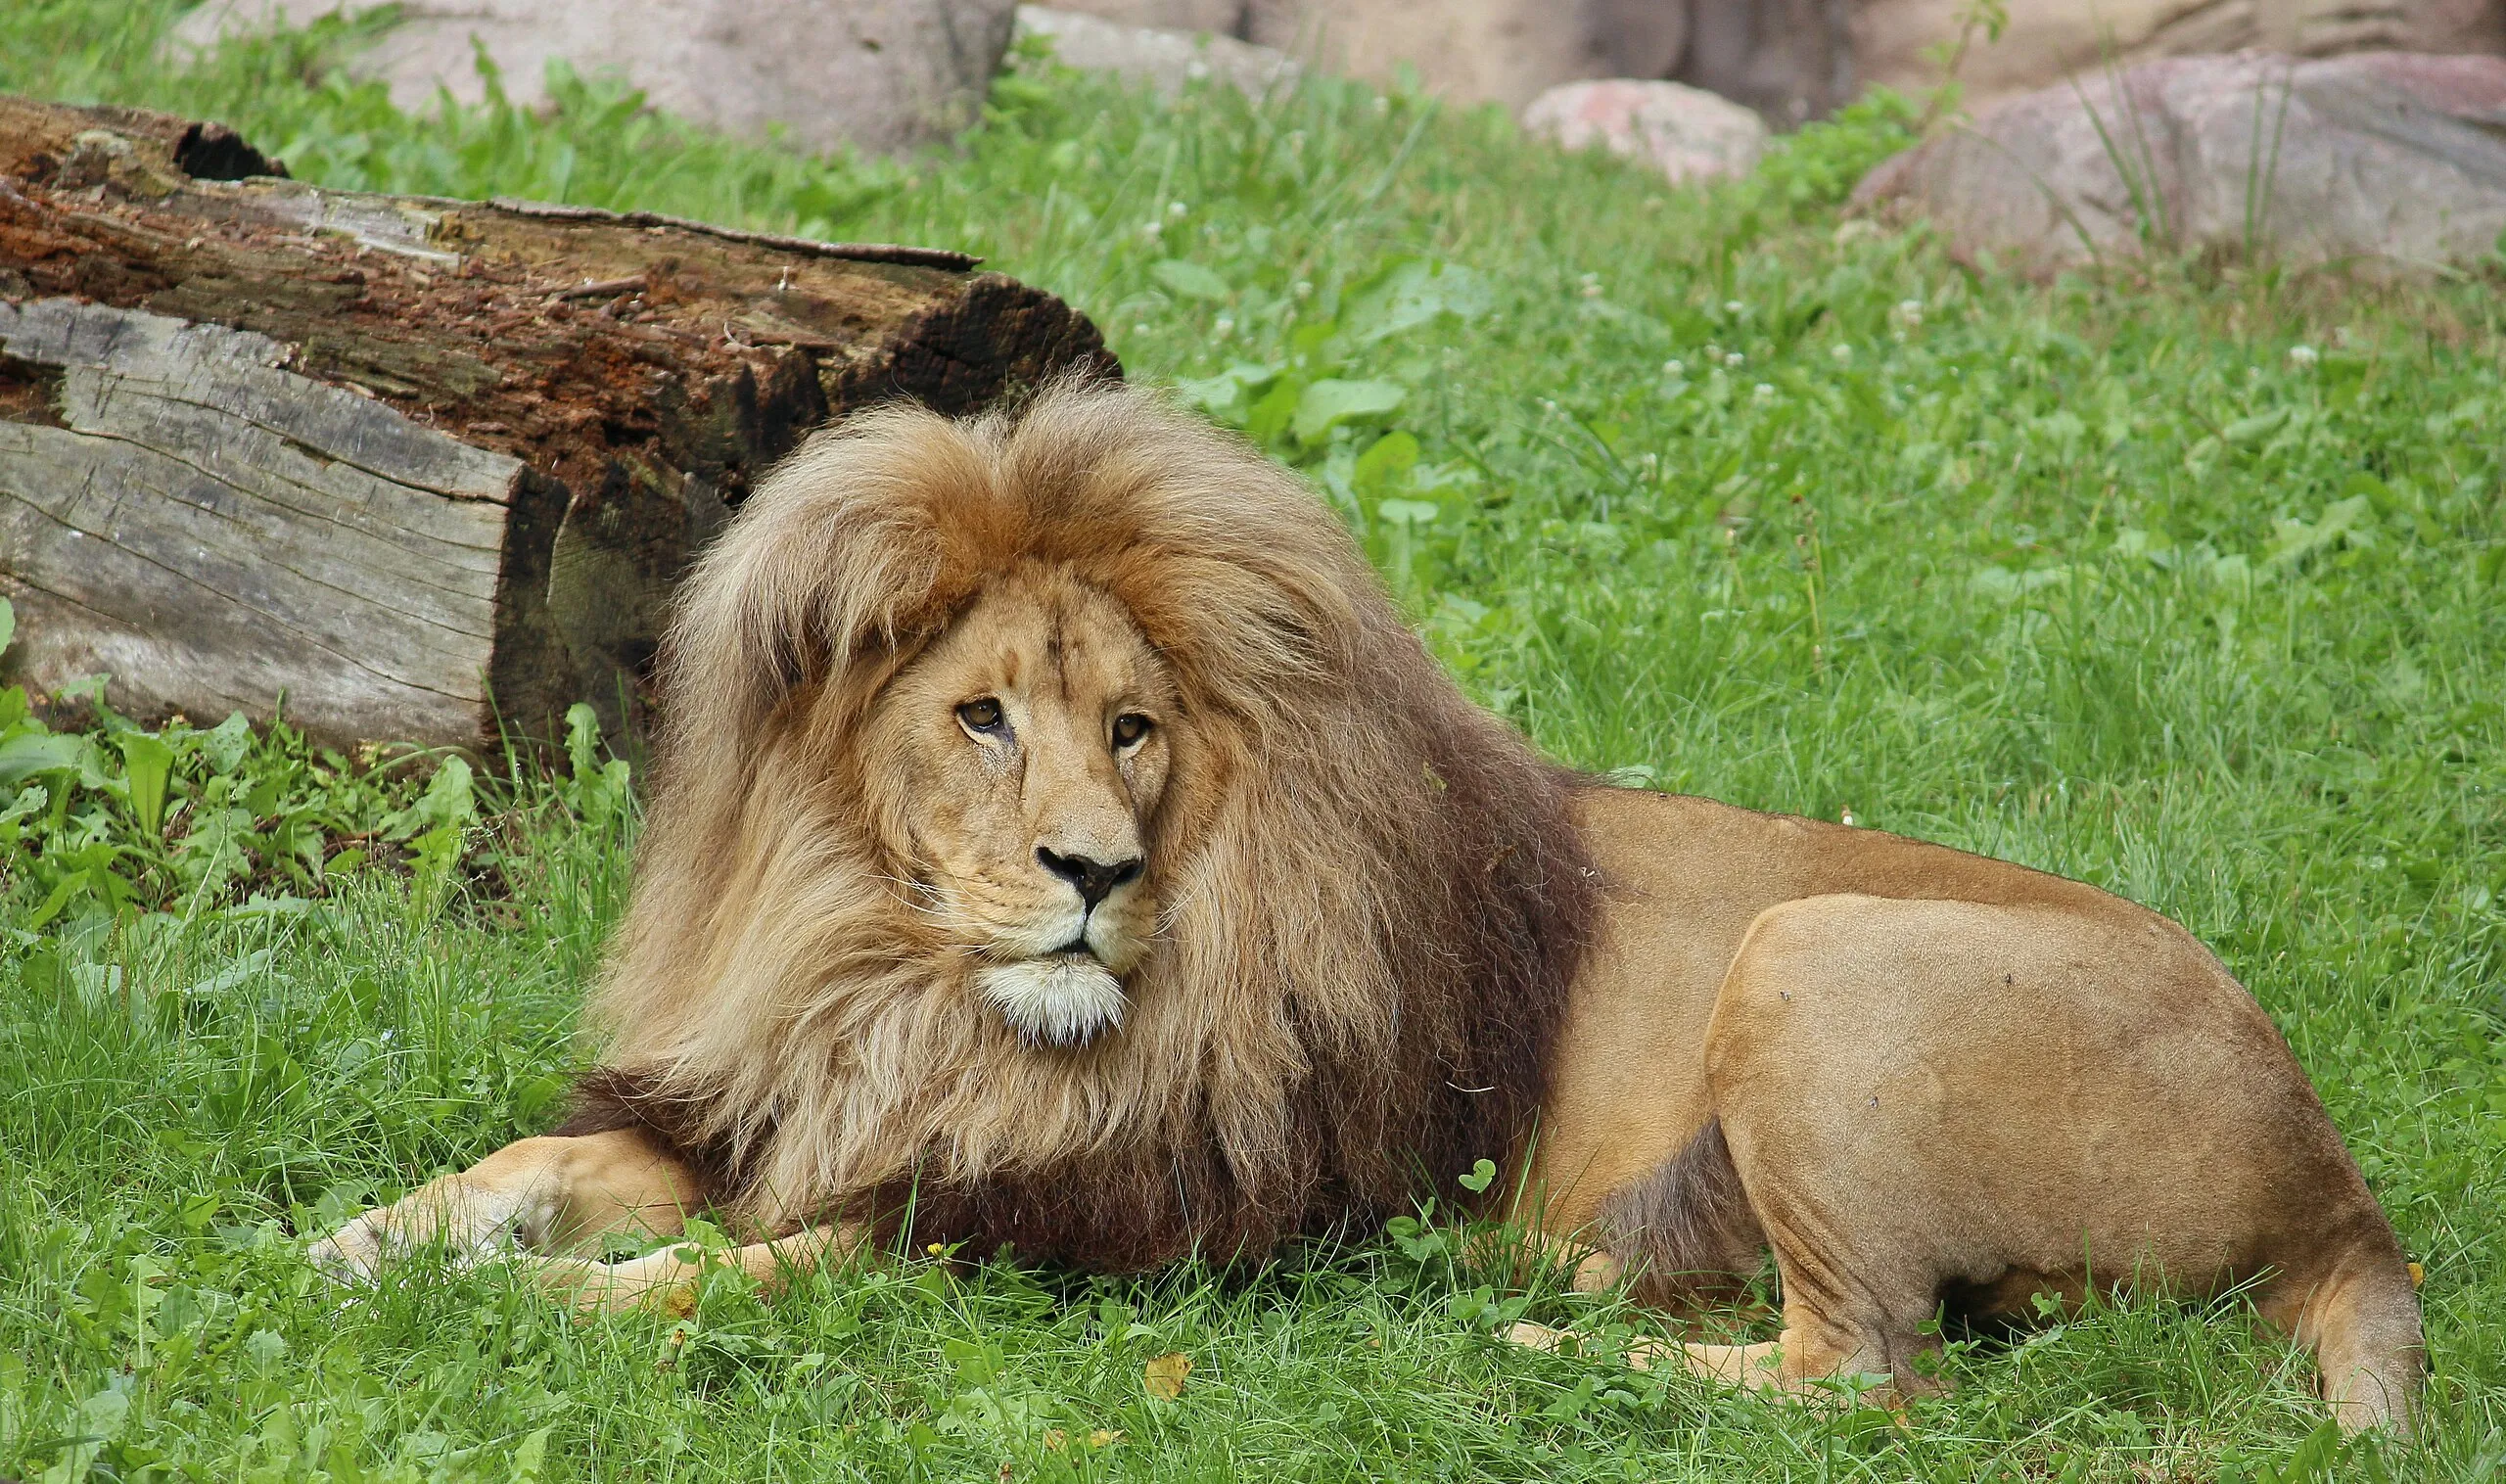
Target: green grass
[[2105, 576]]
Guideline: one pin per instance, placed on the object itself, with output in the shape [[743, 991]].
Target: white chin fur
[[1055, 1001]]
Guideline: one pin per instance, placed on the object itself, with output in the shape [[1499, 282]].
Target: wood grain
[[425, 469]]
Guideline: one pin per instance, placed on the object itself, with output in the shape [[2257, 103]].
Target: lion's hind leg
[[1810, 1353], [2362, 1322]]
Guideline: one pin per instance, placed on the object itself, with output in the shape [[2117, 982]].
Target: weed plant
[[2184, 579]]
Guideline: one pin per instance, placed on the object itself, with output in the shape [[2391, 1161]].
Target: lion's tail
[[1685, 1231]]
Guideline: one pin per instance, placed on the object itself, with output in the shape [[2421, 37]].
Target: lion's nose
[[1096, 879]]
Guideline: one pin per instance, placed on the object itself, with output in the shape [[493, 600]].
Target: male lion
[[1059, 840]]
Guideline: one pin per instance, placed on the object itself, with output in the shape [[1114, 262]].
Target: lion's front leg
[[547, 1194], [665, 1281]]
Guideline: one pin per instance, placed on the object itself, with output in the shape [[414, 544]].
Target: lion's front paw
[[353, 1254], [474, 1226]]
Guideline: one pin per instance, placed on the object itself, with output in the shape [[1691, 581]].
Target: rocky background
[[2098, 126]]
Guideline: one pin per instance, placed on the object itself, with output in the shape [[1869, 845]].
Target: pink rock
[[2048, 40], [1688, 133], [2388, 156]]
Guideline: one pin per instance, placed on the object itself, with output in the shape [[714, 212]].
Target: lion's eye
[[982, 714], [1129, 727]]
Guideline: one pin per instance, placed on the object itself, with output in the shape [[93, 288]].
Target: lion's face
[[1023, 754]]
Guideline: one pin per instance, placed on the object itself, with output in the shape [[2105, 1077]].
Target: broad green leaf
[[2295, 540], [226, 743], [1270, 415], [529, 1457], [1188, 279], [28, 803], [447, 804], [2007, 585], [8, 624], [1221, 397], [60, 897], [583, 738], [1226, 396], [433, 857], [2252, 430], [38, 753], [237, 974], [1408, 512], [148, 766], [1331, 401], [1386, 464], [1409, 293]]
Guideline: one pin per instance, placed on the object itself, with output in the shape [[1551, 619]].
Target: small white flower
[[1910, 312], [1383, 103], [1151, 228], [1713, 352], [1765, 392], [1674, 368], [1225, 326], [1176, 209], [1735, 306], [1140, 327], [1841, 352], [1548, 405], [1301, 289], [1736, 361], [2302, 358], [1846, 817], [1590, 286]]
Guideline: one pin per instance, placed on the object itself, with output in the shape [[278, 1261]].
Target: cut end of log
[[427, 469]]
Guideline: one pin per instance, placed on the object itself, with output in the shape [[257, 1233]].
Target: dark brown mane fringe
[[1481, 1013]]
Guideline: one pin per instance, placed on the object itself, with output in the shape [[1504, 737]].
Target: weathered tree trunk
[[421, 468]]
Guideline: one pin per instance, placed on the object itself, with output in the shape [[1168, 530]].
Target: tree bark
[[412, 469]]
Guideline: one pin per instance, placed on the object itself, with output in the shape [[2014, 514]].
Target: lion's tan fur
[[1389, 940], [771, 971]]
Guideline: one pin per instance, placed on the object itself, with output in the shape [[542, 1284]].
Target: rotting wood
[[420, 466]]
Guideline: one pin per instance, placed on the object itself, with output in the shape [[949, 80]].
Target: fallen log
[[412, 469]]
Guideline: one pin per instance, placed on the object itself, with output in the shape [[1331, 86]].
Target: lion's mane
[[1371, 897]]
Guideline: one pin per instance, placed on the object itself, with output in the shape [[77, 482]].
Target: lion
[[1060, 841]]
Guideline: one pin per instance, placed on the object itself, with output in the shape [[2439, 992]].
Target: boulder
[[1477, 51], [2386, 156], [1688, 133], [1217, 18], [1791, 60], [881, 76], [1165, 60], [2048, 40]]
